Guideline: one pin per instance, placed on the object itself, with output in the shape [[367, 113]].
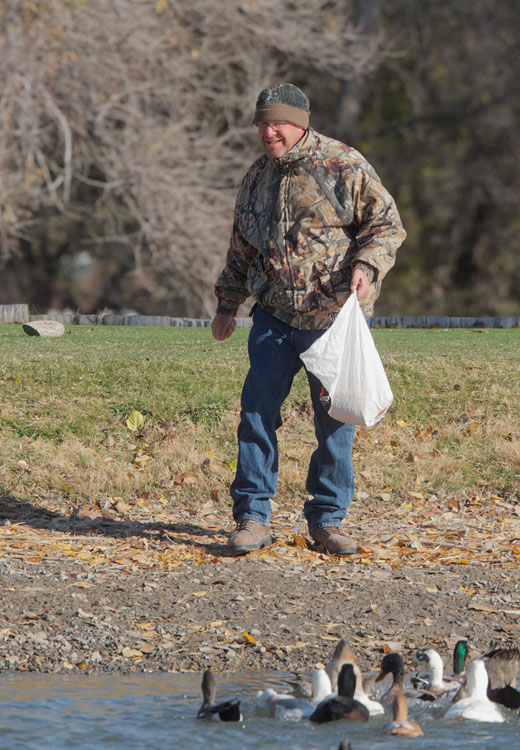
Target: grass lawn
[[453, 430]]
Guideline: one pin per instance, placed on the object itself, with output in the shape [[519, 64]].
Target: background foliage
[[125, 128]]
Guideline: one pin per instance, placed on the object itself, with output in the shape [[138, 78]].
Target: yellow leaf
[[135, 421], [249, 638], [160, 6], [130, 653], [144, 625], [233, 464], [142, 459], [402, 423]]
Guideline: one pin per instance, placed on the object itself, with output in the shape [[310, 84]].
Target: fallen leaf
[[135, 421], [421, 434]]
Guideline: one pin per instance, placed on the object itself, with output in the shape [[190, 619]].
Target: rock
[[44, 328]]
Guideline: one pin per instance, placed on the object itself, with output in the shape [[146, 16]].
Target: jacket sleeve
[[379, 231], [231, 287]]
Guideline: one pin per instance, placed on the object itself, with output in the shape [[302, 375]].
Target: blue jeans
[[274, 349]]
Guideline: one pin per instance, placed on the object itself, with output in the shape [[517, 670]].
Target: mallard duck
[[344, 705], [226, 711], [436, 683], [287, 706], [393, 664], [402, 725], [476, 706], [460, 654]]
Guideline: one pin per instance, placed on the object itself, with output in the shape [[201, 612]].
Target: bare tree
[[126, 127]]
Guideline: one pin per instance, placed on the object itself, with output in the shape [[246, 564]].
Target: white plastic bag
[[346, 362]]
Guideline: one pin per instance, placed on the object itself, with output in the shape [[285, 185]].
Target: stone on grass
[[44, 328]]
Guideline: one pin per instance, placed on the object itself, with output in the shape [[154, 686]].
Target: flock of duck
[[476, 692]]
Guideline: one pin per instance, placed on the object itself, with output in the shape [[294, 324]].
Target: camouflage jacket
[[302, 222]]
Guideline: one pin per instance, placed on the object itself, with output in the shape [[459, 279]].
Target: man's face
[[278, 136]]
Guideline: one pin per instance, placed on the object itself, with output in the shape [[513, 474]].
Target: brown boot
[[332, 539], [248, 535]]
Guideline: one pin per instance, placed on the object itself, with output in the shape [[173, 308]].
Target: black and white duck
[[226, 711], [343, 705]]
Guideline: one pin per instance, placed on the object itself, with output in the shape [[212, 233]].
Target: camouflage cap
[[283, 101]]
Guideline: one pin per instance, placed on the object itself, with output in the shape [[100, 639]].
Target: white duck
[[287, 706], [476, 706], [436, 682]]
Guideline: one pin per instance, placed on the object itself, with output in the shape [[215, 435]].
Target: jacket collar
[[299, 151]]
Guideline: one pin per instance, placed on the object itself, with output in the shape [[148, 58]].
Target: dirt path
[[118, 593]]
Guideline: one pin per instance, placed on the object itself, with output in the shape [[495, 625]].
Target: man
[[313, 224]]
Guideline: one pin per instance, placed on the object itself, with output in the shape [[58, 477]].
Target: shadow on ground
[[39, 517]]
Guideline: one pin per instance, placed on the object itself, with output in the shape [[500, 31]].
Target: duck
[[375, 708], [460, 654], [343, 654], [502, 667], [476, 706], [393, 664], [288, 706], [402, 726], [436, 683], [343, 705], [226, 711]]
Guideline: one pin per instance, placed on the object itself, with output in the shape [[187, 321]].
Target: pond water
[[44, 712]]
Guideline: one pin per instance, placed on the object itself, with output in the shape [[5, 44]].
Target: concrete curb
[[407, 321]]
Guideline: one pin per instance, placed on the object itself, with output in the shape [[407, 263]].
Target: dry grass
[[453, 431]]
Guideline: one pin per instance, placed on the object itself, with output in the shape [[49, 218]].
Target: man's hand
[[359, 283], [222, 326]]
